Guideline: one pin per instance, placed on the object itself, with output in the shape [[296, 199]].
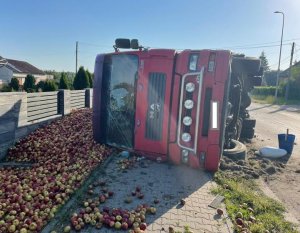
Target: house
[[286, 73], [20, 69]]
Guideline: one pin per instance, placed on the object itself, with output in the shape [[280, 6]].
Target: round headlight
[[185, 153], [187, 121], [190, 87], [186, 137], [189, 104], [185, 156]]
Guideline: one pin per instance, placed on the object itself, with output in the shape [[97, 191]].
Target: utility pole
[[278, 71], [290, 74], [76, 56]]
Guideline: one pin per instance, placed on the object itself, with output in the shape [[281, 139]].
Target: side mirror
[[134, 44], [122, 43]]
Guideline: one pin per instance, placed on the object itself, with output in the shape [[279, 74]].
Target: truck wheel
[[237, 152]]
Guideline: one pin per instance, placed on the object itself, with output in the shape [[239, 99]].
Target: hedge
[[264, 91], [294, 92]]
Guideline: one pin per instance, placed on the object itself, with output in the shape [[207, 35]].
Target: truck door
[[152, 102]]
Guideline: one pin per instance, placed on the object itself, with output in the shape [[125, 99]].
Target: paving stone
[[169, 184]]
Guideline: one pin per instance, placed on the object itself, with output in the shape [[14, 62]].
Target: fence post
[[64, 105], [88, 98]]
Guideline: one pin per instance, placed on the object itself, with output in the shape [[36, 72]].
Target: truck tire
[[237, 152]]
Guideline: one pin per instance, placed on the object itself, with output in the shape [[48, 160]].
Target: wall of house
[[5, 74]]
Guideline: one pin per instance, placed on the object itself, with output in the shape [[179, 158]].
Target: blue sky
[[44, 32]]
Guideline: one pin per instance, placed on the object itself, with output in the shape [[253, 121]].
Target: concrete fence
[[21, 112]]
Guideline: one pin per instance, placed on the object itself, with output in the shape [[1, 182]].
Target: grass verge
[[249, 208], [269, 99]]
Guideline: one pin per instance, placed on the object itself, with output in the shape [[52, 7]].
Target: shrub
[[40, 86], [50, 85], [264, 90], [14, 84], [81, 80], [29, 84], [6, 88], [90, 76], [63, 83]]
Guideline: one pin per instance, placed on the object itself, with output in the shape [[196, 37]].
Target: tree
[[90, 78], [50, 85], [40, 86], [269, 78], [81, 79], [63, 83], [29, 84], [265, 66], [264, 62], [14, 84]]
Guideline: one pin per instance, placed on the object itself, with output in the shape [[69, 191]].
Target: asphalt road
[[270, 121]]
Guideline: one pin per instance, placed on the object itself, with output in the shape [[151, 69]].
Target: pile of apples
[[94, 213], [116, 218], [64, 154]]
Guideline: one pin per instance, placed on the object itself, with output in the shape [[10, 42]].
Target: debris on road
[[272, 152], [254, 167]]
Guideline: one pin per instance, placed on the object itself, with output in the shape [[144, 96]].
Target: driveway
[[168, 185]]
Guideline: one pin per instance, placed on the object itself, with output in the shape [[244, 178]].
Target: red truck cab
[[163, 104]]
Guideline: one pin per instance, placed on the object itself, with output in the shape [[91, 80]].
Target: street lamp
[[278, 71]]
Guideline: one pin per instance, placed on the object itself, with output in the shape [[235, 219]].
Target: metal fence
[[41, 105], [77, 99]]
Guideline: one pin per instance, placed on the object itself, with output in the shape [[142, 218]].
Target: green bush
[[40, 86], [90, 76], [264, 91], [29, 84], [81, 80], [50, 85], [14, 84], [63, 82], [6, 88]]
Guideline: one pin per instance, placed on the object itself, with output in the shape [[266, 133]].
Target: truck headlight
[[189, 104], [185, 156], [187, 121], [190, 87], [186, 137]]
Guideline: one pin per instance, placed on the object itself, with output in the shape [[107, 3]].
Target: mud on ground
[[254, 166]]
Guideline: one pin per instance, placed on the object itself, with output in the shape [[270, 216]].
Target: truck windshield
[[118, 93]]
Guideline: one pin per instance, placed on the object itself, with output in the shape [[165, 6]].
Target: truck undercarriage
[[245, 74]]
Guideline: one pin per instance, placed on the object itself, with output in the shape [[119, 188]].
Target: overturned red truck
[[186, 107]]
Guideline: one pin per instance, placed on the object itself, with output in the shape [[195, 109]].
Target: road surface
[[270, 121]]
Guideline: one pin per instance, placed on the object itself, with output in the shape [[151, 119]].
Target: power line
[[264, 43], [95, 45], [258, 47]]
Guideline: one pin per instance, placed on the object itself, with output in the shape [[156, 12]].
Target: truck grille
[[155, 110]]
